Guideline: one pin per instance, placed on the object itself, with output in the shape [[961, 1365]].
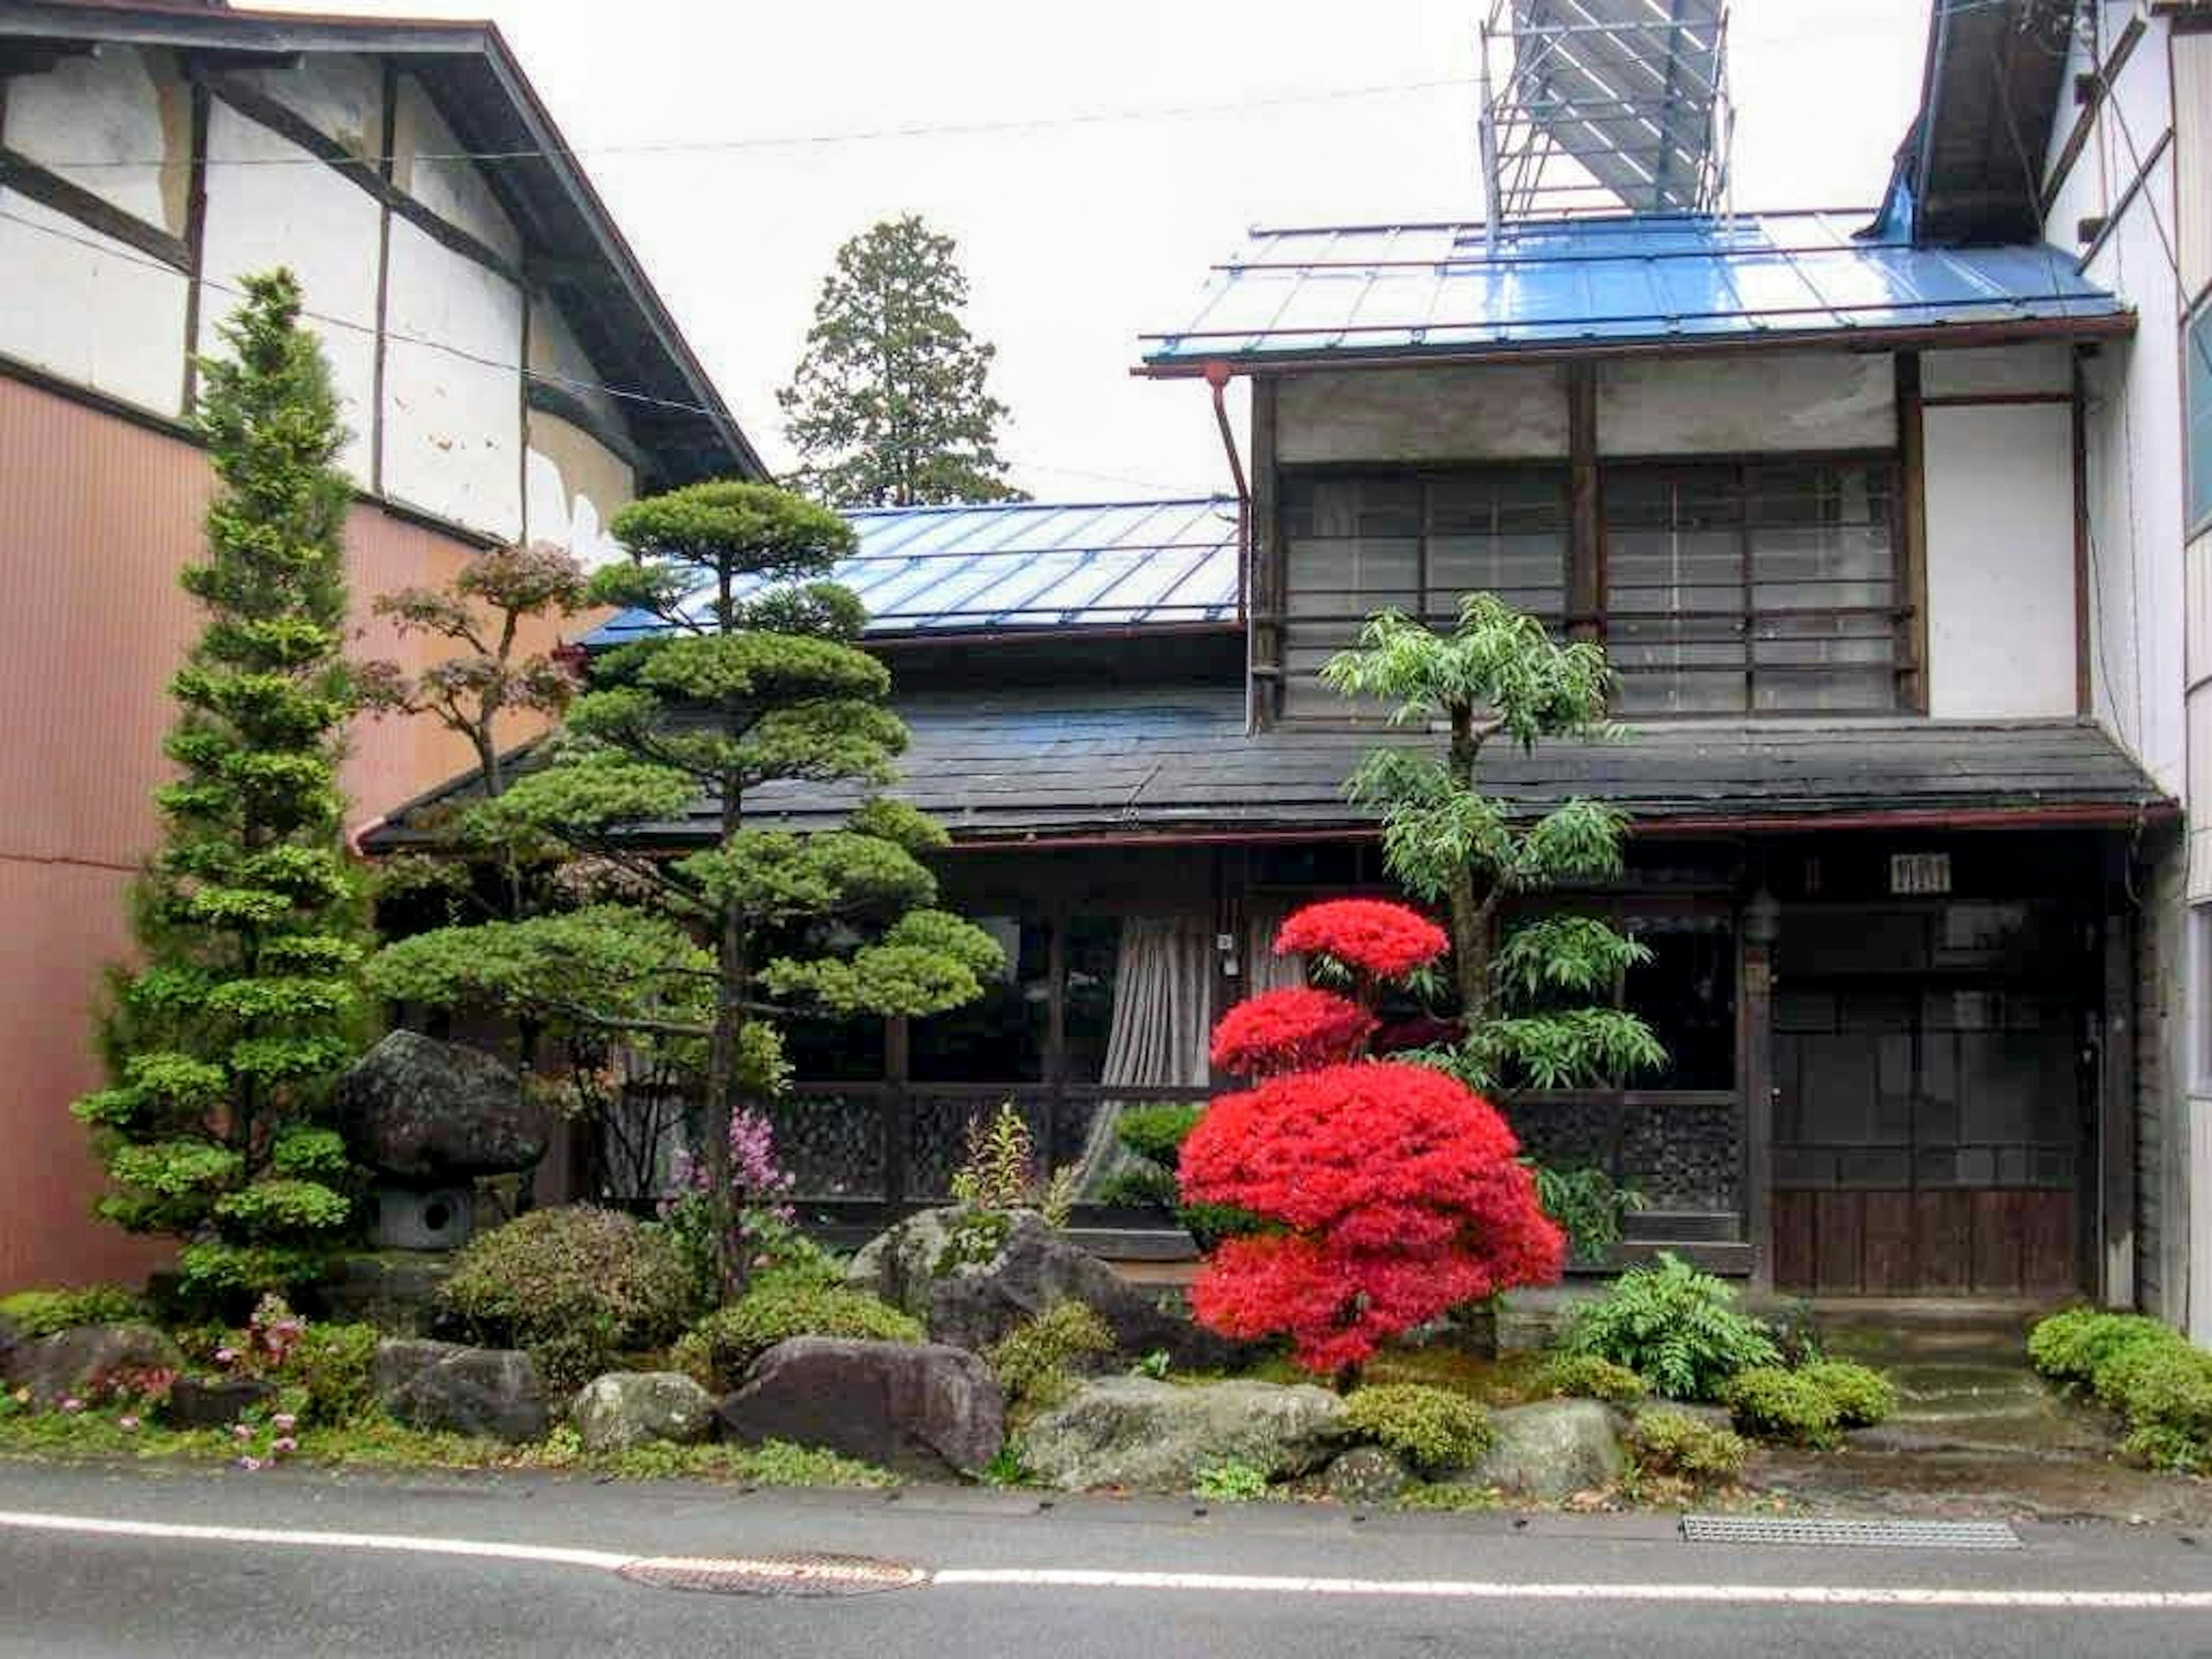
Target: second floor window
[[1763, 588], [1358, 542]]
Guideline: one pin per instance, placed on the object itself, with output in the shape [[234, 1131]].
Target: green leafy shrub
[[1778, 1405], [1863, 1396], [719, 1348], [1433, 1429], [1677, 1329], [1233, 1481], [1590, 1206], [576, 1287], [1033, 1360], [334, 1364], [1002, 1170], [1156, 1134], [42, 1313], [2072, 1347], [1590, 1376], [2169, 1408], [1676, 1446]]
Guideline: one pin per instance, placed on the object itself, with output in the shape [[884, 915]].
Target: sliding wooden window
[[1767, 588]]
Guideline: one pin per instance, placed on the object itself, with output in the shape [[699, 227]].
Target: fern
[[1677, 1329]]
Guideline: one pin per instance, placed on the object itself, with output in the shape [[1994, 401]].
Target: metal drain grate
[[1850, 1534], [773, 1574]]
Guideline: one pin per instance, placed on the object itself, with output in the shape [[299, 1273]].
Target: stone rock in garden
[[1367, 1475], [213, 1402], [624, 1409], [430, 1112], [971, 1304], [443, 1386], [1149, 1435], [395, 1291], [1550, 1450], [925, 1410], [56, 1367]]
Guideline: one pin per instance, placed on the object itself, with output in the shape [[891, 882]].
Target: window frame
[[1743, 473], [2196, 470]]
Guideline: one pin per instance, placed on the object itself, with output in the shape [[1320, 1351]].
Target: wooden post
[[1585, 520], [2111, 1276], [897, 1125], [1912, 530], [1265, 596], [1761, 927]]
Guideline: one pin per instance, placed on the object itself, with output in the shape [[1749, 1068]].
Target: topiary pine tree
[[757, 679], [888, 406], [1534, 993], [222, 1046]]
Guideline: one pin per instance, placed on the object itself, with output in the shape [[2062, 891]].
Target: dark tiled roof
[[1046, 762]]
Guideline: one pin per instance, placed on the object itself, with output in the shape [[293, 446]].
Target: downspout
[[1218, 376]]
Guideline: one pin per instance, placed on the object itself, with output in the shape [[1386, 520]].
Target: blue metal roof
[[1692, 280], [1010, 565]]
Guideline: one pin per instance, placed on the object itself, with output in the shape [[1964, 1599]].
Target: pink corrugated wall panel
[[96, 516]]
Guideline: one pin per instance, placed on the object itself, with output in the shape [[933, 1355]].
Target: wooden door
[[1927, 1138]]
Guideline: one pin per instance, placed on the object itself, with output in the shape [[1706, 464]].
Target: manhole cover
[[773, 1575], [1850, 1534]]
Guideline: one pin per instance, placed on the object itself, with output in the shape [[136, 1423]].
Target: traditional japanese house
[[1817, 481]]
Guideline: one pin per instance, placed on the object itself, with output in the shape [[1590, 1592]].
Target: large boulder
[[1550, 1450], [972, 1276], [925, 1410], [1149, 1435], [57, 1367], [429, 1113], [1367, 1475], [494, 1393], [624, 1409]]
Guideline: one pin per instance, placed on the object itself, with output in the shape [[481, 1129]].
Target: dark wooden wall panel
[[1943, 1233], [1892, 1267], [1793, 1239]]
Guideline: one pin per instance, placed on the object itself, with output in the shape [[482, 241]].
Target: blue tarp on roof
[[1692, 279], [1030, 564]]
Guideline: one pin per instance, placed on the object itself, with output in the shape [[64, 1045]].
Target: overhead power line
[[347, 325]]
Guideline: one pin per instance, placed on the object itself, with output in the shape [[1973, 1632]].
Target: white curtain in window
[[1263, 969], [1163, 1013]]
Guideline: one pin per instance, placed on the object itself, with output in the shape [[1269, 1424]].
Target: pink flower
[[226, 1356], [72, 1404], [128, 1425], [240, 1432], [249, 1463], [284, 1422], [282, 1444]]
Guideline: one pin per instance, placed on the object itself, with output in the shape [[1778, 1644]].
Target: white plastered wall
[[292, 210], [78, 304], [1507, 412], [1774, 401], [427, 162], [452, 409], [573, 486], [2000, 552]]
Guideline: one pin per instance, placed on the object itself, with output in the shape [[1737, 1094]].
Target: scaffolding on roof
[[1592, 105]]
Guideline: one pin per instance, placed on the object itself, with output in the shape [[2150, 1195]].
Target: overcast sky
[[1077, 238]]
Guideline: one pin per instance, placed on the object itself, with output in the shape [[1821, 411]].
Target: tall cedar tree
[[757, 679], [888, 406], [1536, 994], [222, 1047]]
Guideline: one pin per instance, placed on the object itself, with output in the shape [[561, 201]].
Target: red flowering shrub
[[1400, 1195], [1371, 935], [1290, 1030]]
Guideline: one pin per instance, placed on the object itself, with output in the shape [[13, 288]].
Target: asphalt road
[[1069, 1579]]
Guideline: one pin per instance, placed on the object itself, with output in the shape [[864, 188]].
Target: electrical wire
[[349, 325], [1024, 124]]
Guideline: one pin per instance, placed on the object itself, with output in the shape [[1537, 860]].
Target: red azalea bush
[[1290, 1030], [1372, 935], [1401, 1196], [1389, 1192]]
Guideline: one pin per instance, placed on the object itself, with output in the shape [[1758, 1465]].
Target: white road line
[[1839, 1595], [1829, 1595], [397, 1543]]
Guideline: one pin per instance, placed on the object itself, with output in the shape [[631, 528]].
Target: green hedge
[[2145, 1370]]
